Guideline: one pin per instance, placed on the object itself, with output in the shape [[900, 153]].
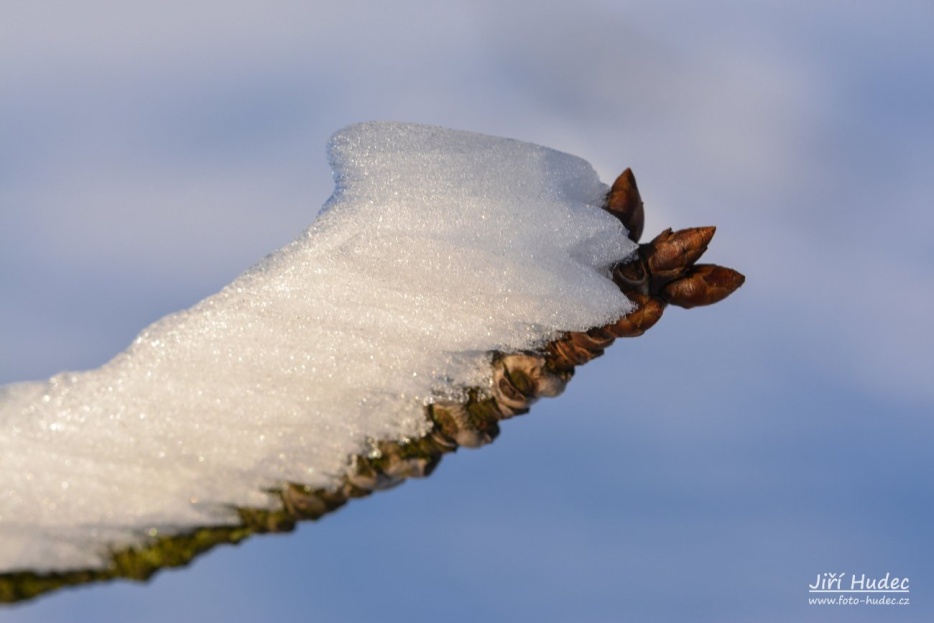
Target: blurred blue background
[[708, 471]]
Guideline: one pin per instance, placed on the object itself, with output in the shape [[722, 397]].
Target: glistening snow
[[437, 247]]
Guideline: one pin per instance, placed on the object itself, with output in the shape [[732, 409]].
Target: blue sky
[[706, 471]]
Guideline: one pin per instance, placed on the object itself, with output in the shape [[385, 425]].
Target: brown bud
[[624, 202], [670, 253], [648, 311], [704, 284]]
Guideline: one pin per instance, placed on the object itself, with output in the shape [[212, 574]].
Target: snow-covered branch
[[450, 281]]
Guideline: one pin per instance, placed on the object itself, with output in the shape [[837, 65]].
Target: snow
[[437, 247]]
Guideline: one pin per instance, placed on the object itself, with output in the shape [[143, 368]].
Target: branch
[[662, 272]]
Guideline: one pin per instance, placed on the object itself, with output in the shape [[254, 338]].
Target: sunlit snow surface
[[437, 247]]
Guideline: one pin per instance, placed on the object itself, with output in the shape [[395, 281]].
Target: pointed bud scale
[[624, 202], [575, 353], [704, 285], [648, 311], [598, 333], [584, 341], [670, 253]]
